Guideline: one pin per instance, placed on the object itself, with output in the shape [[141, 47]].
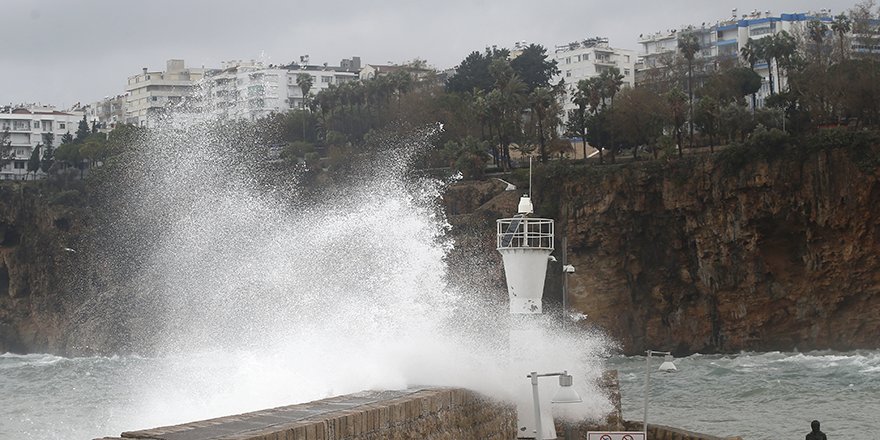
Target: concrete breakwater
[[430, 413], [420, 413]]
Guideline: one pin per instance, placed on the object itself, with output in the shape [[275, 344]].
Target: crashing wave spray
[[259, 297]]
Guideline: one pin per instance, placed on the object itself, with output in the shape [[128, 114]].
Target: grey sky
[[64, 51]]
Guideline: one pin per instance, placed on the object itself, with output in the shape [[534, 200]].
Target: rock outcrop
[[39, 236], [690, 257], [687, 256]]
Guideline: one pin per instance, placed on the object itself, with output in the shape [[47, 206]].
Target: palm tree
[[841, 26], [782, 50], [544, 106], [506, 100], [577, 118], [749, 53], [610, 81], [689, 45], [816, 30], [304, 81]]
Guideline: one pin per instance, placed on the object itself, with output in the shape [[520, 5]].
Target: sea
[[760, 396]]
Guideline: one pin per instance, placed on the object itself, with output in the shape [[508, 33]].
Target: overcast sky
[[61, 52]]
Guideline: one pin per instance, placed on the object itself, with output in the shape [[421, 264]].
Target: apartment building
[[721, 44], [26, 127], [151, 93], [107, 112], [589, 58], [252, 90]]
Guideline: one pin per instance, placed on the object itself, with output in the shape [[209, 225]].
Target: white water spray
[[265, 299]]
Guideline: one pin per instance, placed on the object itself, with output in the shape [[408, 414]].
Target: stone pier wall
[[660, 432], [430, 414]]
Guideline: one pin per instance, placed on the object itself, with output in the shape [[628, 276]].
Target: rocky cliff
[[693, 257], [39, 238]]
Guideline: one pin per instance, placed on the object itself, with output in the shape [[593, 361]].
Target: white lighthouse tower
[[525, 244]]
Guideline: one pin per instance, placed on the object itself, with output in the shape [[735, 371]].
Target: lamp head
[[566, 393], [667, 365]]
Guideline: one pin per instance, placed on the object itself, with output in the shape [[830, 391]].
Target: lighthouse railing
[[524, 233]]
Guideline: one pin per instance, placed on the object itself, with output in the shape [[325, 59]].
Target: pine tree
[[66, 138], [5, 148], [48, 152], [33, 164], [82, 131]]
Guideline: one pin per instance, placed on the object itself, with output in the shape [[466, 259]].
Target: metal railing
[[524, 232]]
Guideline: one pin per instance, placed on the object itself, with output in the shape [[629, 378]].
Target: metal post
[[538, 428], [564, 280], [647, 391]]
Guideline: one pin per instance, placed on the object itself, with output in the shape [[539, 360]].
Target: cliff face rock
[[38, 238], [776, 256]]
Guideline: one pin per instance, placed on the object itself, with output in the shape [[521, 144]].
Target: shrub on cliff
[[861, 146]]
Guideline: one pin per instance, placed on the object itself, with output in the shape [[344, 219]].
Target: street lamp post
[[666, 366], [566, 394]]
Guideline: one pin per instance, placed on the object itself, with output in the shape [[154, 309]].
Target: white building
[[251, 90], [588, 59], [107, 112], [27, 126], [722, 43], [150, 93]]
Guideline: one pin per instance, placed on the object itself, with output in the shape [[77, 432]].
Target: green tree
[[689, 45], [817, 31], [609, 83], [577, 118], [637, 119], [68, 154], [473, 72], [6, 150], [533, 67], [750, 53], [841, 26], [506, 101], [82, 131], [706, 118], [48, 152], [66, 138], [33, 164], [546, 111], [676, 115], [304, 81]]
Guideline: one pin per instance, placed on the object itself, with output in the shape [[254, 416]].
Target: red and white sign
[[616, 435]]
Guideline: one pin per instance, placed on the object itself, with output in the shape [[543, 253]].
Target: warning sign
[[616, 435]]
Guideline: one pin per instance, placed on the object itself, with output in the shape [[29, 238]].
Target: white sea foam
[[267, 300]]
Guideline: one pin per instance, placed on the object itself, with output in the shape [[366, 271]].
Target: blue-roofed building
[[721, 43]]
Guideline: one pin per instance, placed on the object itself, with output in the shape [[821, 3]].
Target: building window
[[327, 79], [61, 125], [19, 164], [568, 73], [626, 72], [626, 57], [577, 59]]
